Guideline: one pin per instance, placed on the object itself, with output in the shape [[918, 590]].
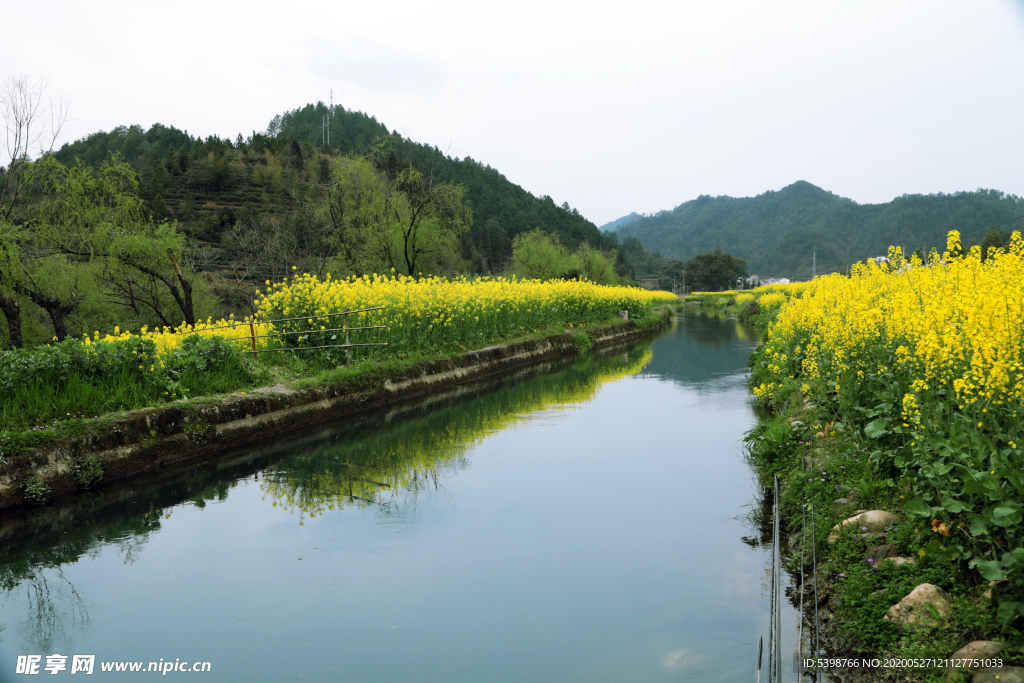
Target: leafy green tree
[[672, 276], [32, 121], [347, 210], [596, 266], [184, 162], [297, 156], [159, 208], [994, 241], [493, 245], [93, 224], [538, 255], [199, 151], [423, 222], [714, 271], [170, 163]]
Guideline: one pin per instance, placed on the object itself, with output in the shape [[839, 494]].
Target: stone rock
[[897, 561], [849, 498], [912, 609], [808, 463], [1007, 674], [880, 552], [978, 649], [875, 521], [839, 503], [278, 388]]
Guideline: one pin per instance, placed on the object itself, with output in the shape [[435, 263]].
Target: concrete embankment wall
[[150, 439]]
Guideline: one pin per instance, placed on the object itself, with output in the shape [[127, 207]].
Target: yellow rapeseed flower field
[[428, 314], [949, 333], [439, 314], [924, 364]]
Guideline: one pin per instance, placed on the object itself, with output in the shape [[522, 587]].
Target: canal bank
[[127, 445], [885, 598]]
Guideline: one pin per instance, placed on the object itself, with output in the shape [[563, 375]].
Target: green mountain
[[618, 222], [779, 232], [208, 185]]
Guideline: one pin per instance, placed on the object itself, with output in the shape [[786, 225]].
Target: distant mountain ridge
[[614, 225], [778, 232]]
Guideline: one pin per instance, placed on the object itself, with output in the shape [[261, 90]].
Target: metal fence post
[[347, 329], [252, 335]]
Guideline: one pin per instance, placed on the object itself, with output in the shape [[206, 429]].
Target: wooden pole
[[348, 349], [252, 335]]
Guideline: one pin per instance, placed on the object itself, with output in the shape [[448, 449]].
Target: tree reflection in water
[[54, 607], [391, 468], [33, 582]]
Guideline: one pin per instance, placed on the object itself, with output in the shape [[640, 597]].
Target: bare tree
[[32, 121], [264, 247]]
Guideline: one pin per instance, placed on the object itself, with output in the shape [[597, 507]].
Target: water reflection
[[384, 460], [382, 466], [707, 347], [33, 583]]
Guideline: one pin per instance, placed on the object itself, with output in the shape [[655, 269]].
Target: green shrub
[[205, 365], [582, 342], [751, 309], [88, 472], [36, 490]]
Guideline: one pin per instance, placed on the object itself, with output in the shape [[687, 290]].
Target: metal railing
[[344, 328], [775, 604]]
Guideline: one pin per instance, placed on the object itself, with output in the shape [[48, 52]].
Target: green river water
[[576, 521]]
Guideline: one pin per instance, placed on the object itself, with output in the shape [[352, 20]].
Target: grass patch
[[49, 389]]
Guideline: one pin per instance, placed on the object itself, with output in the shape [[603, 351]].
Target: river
[[577, 521]]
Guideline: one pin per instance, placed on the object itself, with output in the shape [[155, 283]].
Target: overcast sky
[[612, 107]]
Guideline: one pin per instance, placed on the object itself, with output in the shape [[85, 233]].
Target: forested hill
[[777, 232], [619, 222], [208, 185]]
